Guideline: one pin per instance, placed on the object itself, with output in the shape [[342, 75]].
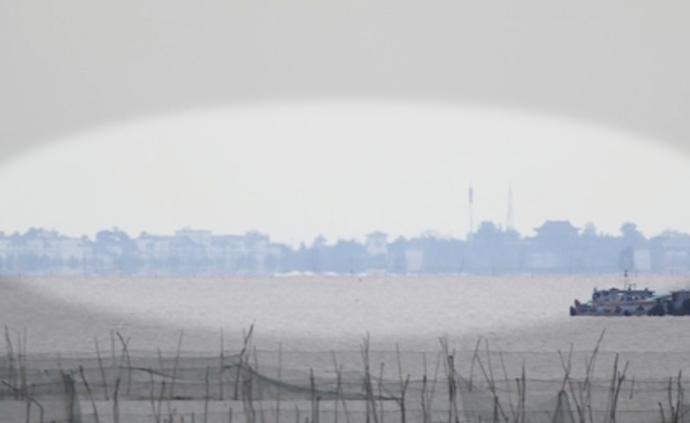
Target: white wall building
[[153, 247], [414, 260], [377, 244], [642, 259]]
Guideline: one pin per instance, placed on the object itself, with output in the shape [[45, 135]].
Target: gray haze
[[66, 65], [340, 170]]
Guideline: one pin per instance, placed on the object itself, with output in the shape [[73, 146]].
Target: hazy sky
[[343, 169]]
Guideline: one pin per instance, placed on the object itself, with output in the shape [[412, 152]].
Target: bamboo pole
[[101, 368], [89, 393]]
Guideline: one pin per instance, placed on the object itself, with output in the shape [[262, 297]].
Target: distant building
[[554, 248], [227, 252], [5, 247], [258, 248], [543, 261], [74, 253], [377, 244], [40, 243], [153, 246], [556, 233], [642, 259], [199, 237], [414, 260], [377, 250], [671, 252], [6, 251]]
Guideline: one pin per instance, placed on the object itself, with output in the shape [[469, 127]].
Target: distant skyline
[[557, 247], [297, 170], [484, 227]]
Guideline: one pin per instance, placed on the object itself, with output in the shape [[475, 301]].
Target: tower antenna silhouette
[[510, 224], [470, 199]]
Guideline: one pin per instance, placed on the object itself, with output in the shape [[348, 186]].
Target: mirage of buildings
[[555, 247]]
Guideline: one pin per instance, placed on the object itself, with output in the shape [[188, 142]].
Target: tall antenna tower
[[470, 198], [510, 224]]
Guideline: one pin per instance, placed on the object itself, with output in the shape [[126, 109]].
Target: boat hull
[[634, 309], [677, 303]]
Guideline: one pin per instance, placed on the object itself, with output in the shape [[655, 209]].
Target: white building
[[5, 248], [642, 259], [543, 260], [377, 244], [199, 237], [414, 260], [151, 247]]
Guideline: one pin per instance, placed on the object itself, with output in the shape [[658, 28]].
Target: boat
[[630, 301]]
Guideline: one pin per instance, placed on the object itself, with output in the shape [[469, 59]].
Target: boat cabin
[[621, 295]]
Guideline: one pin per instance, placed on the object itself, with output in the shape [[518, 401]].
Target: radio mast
[[470, 198]]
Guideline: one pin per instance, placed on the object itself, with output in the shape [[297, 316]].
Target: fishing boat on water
[[630, 301]]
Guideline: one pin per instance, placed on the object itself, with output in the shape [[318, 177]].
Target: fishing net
[[325, 387]]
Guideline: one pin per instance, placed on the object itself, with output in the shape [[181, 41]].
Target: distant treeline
[[556, 247]]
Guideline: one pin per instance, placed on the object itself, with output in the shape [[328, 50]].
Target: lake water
[[518, 313], [524, 317]]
